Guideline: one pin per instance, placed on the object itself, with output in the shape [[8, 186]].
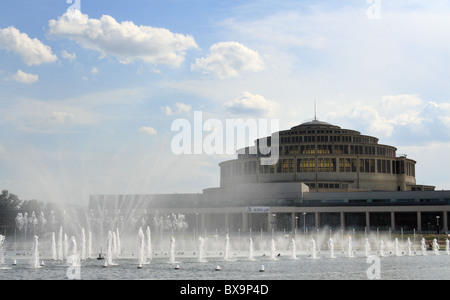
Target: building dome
[[325, 157]]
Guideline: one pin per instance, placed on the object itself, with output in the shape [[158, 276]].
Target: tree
[[9, 201]]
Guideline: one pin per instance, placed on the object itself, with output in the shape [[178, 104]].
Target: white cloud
[[2, 150], [148, 130], [125, 41], [32, 51], [395, 115], [94, 71], [180, 108], [61, 116], [69, 56], [252, 104], [23, 77], [229, 59]]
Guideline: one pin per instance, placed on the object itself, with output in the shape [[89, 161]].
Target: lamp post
[[273, 223], [437, 224], [304, 223]]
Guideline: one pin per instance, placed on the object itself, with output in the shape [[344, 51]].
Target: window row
[[326, 138], [337, 149], [311, 165]]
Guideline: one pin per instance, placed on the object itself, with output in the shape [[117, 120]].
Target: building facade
[[325, 177], [326, 158]]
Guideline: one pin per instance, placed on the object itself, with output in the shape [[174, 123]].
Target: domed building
[[317, 175], [325, 157]]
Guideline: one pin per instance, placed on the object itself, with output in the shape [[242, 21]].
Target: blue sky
[[88, 97]]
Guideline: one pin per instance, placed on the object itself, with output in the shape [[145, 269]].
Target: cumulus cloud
[[397, 116], [251, 104], [23, 77], [125, 41], [32, 51], [229, 59], [148, 130], [69, 56], [179, 108]]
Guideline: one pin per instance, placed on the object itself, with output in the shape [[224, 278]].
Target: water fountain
[[122, 244], [141, 259], [313, 249], [409, 247], [172, 250], [149, 243], [201, 249], [381, 248], [35, 253], [273, 250], [435, 247], [331, 247], [226, 255], [54, 256], [293, 248], [367, 247], [397, 248], [349, 247], [74, 247], [83, 244], [423, 247], [251, 250], [2, 257], [60, 244]]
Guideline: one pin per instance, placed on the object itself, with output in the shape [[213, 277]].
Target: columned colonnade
[[360, 218]]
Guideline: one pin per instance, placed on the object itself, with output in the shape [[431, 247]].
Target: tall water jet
[[313, 249], [293, 249], [331, 247], [349, 247], [226, 255], [409, 247], [35, 253], [250, 250], [367, 247], [381, 248], [109, 251], [66, 246], [149, 243], [201, 249], [89, 247], [447, 246], [397, 248], [273, 249], [54, 256], [60, 244], [2, 257], [435, 247], [118, 243], [114, 244], [141, 258], [74, 245], [423, 246], [172, 250], [83, 244]]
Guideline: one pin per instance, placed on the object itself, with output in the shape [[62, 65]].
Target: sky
[[90, 90]]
